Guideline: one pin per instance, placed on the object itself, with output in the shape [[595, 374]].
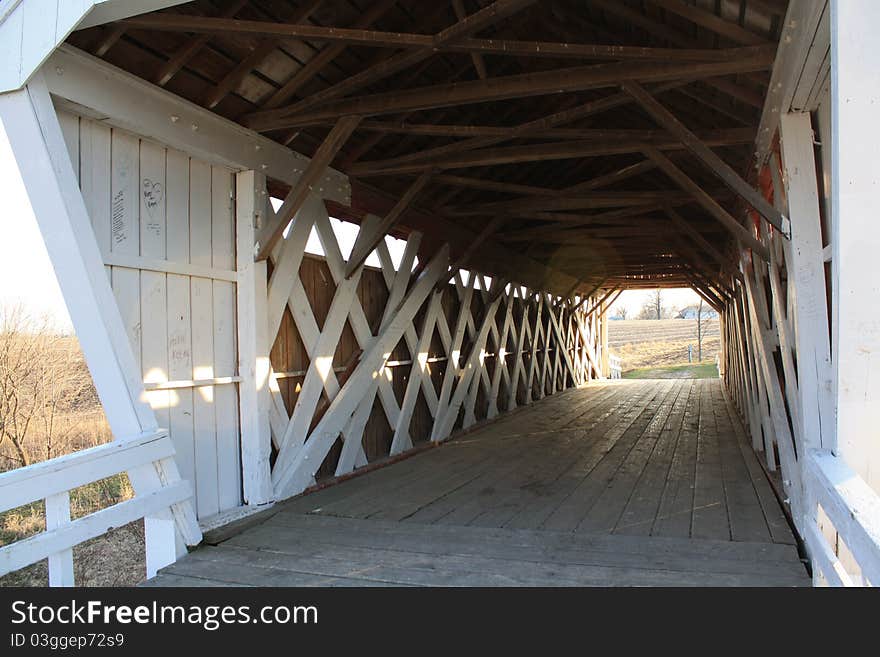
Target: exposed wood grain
[[487, 509]]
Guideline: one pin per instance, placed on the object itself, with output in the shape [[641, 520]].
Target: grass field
[[650, 343], [702, 370], [49, 408]]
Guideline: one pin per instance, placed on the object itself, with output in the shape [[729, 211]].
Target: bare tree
[[703, 317], [621, 311], [42, 379], [653, 307]]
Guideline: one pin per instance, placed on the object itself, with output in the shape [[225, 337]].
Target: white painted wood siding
[[166, 223]]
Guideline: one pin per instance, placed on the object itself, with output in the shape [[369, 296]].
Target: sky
[[26, 274], [675, 299]]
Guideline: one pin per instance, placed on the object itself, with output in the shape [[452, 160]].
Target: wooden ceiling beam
[[652, 27], [492, 185], [705, 293], [743, 94], [165, 22], [476, 58], [554, 81], [494, 258], [506, 132], [180, 57], [702, 269], [482, 19], [109, 37], [540, 152], [528, 128], [707, 202], [562, 202], [462, 43], [696, 236], [612, 217], [324, 57], [705, 154], [272, 231], [370, 142], [726, 109], [258, 55], [707, 283], [614, 177], [604, 233], [487, 231], [710, 21]]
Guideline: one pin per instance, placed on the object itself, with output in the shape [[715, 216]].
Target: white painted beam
[[30, 30], [107, 11], [253, 343], [103, 91]]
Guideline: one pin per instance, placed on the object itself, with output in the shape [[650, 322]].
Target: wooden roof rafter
[[510, 112]]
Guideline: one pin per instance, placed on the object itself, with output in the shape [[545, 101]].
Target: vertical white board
[[202, 310], [125, 232], [154, 301], [225, 360], [180, 367]]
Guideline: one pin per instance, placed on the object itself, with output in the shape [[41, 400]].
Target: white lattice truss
[[538, 345], [778, 313]]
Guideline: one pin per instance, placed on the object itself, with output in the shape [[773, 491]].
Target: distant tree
[[42, 379], [621, 311], [702, 319], [653, 307]]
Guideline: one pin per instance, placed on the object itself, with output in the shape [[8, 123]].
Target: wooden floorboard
[[676, 503], [643, 504], [709, 519], [631, 483]]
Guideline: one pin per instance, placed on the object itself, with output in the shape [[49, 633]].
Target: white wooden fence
[[53, 480], [614, 368]]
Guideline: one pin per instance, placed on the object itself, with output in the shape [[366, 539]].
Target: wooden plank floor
[[619, 483]]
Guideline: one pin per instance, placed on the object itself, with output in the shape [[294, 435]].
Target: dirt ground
[[122, 549], [644, 343]]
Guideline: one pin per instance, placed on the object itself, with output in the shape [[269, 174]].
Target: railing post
[[604, 332], [61, 563], [253, 341]]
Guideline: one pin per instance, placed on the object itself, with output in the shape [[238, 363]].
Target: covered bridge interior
[[511, 167]]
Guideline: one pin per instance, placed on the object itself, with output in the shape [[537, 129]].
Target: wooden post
[[253, 341], [806, 272], [606, 372]]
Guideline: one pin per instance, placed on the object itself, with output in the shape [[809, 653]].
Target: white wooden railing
[[853, 508], [53, 480], [614, 370]]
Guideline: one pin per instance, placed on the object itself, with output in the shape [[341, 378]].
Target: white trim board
[[794, 64], [107, 11], [88, 86], [30, 30]]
